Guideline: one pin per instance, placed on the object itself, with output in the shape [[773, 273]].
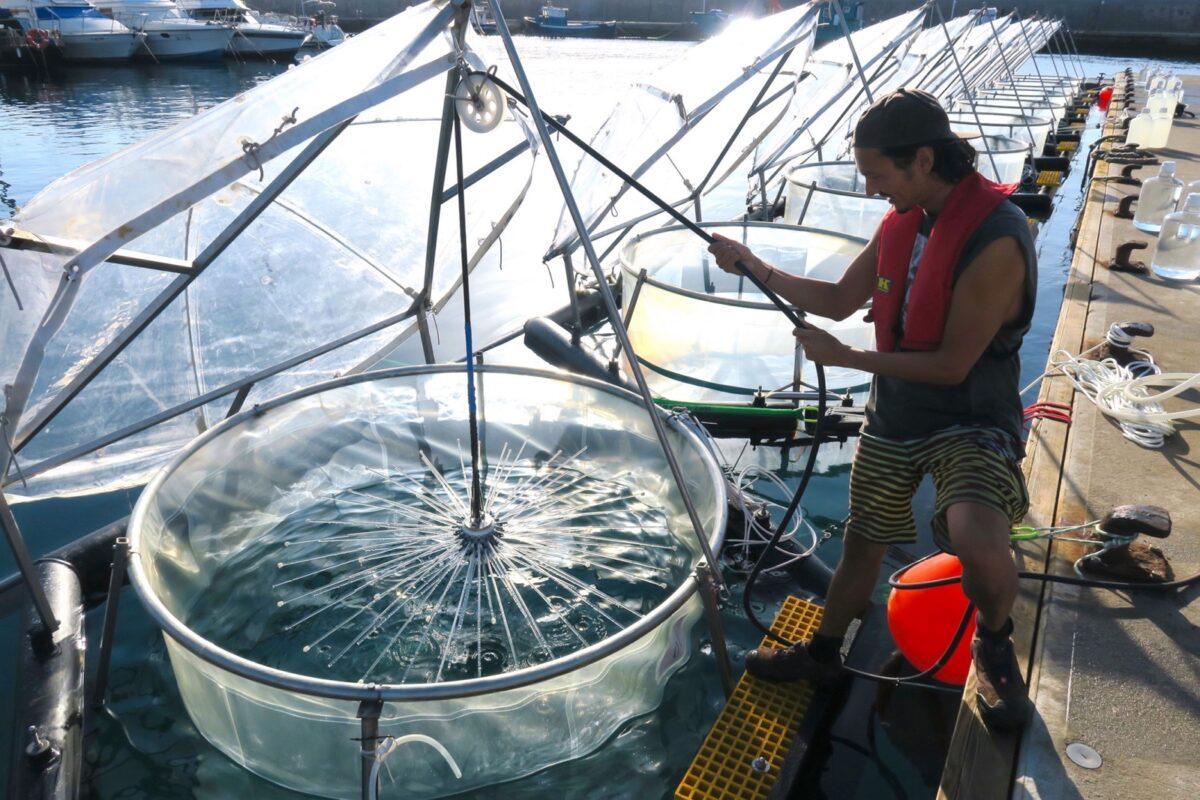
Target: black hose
[[1045, 577]]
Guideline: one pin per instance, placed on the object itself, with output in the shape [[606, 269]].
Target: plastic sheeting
[[341, 248], [670, 132], [232, 488], [703, 334]]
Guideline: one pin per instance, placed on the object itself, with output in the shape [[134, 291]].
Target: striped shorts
[[975, 465]]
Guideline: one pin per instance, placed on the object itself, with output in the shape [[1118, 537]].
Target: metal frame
[[344, 690]]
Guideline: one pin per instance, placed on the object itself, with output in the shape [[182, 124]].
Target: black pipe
[[552, 344], [47, 753]]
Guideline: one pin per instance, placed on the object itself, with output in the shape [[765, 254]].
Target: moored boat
[[171, 35], [86, 34], [552, 21], [252, 37]]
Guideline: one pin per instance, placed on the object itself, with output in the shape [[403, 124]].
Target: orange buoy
[[1104, 98], [923, 621]]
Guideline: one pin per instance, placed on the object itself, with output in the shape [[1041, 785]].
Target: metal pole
[[712, 611], [16, 543], [853, 52], [610, 304], [112, 604], [435, 208], [1011, 79], [1071, 38], [966, 87], [1068, 56], [1029, 45]]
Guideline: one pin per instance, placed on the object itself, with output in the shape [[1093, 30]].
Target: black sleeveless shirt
[[989, 396]]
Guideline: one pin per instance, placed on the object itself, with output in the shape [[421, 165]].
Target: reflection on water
[[52, 124]]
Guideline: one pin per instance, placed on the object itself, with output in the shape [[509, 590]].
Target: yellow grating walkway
[[1067, 147], [1049, 177], [759, 721]]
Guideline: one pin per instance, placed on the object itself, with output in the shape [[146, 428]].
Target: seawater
[[886, 744]]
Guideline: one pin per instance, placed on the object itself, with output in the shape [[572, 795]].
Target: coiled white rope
[[388, 744], [1123, 392]]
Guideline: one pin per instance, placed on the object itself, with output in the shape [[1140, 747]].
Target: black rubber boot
[[1000, 694]]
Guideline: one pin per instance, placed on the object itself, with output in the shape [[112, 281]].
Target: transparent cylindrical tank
[[1026, 128], [1010, 105], [1141, 128], [317, 552], [1177, 252], [703, 334], [1157, 198], [831, 195], [1007, 158]]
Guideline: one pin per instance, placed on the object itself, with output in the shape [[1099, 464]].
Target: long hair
[[953, 159]]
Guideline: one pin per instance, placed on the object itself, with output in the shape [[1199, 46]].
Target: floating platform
[[743, 755], [1115, 672]]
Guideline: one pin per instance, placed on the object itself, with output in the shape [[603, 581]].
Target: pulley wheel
[[479, 103]]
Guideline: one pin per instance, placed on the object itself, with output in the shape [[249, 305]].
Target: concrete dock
[[1117, 672]]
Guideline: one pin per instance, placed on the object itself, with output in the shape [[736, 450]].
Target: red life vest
[[966, 207]]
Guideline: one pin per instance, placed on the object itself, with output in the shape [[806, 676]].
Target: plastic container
[[1162, 116], [1157, 198], [1177, 254], [1140, 128]]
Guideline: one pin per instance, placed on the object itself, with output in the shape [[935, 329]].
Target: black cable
[[1045, 577]]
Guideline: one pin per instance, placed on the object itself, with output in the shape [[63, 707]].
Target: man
[[952, 275]]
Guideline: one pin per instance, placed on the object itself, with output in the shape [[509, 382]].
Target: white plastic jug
[[1157, 198]]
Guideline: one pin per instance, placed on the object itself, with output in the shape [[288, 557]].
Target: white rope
[[1123, 392], [389, 744], [744, 480]]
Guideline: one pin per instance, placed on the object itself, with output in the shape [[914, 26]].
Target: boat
[[171, 35], [482, 18], [552, 21], [36, 49], [709, 21], [253, 37], [86, 34], [317, 18]]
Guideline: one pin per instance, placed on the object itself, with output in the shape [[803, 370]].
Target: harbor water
[[144, 745]]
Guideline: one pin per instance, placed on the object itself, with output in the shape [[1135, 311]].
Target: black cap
[[904, 117]]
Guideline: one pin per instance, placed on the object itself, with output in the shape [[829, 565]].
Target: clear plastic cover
[[704, 334], [224, 538], [1032, 130], [670, 131], [341, 248]]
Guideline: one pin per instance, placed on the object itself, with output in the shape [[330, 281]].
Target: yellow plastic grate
[[759, 721], [1048, 177], [1067, 147]]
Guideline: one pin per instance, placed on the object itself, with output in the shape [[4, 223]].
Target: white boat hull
[[251, 41], [193, 43], [117, 46]]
